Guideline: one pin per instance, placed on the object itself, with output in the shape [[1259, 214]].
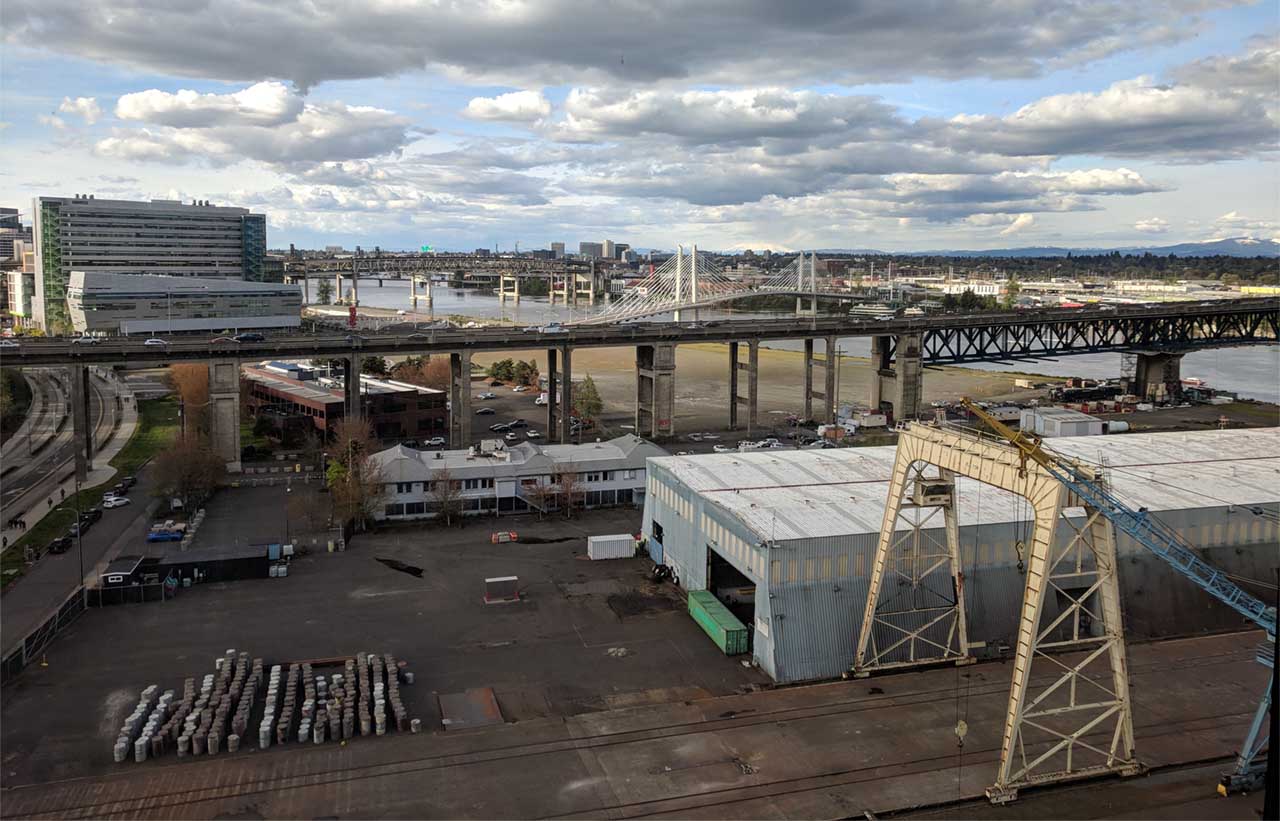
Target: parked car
[[85, 340], [250, 336], [78, 529], [501, 427], [218, 340], [487, 395], [91, 515], [129, 481], [693, 437], [495, 383], [554, 328], [60, 545], [485, 412], [520, 388], [155, 342], [164, 536], [533, 434], [115, 501], [724, 449], [518, 423], [410, 443], [512, 437], [435, 442], [110, 494], [9, 343]]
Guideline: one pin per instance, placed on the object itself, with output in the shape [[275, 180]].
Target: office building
[[11, 231], [164, 237], [20, 282], [590, 250], [557, 250], [789, 538], [99, 302], [607, 250], [496, 478], [300, 399]]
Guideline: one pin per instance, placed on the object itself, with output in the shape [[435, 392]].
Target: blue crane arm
[[1144, 528], [1161, 540]]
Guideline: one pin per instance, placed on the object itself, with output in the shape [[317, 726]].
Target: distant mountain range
[[1232, 247]]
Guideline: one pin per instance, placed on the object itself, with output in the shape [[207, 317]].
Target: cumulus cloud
[[262, 104], [562, 42], [85, 107], [1257, 71], [1131, 118], [321, 132], [1152, 225], [725, 116], [1019, 223], [517, 106]]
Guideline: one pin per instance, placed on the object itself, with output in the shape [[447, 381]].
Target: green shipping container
[[729, 634]]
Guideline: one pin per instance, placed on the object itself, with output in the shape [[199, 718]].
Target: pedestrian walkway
[[42, 504]]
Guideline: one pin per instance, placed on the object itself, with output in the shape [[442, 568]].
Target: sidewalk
[[39, 507]]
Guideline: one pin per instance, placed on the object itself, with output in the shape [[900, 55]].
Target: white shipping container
[[872, 420], [618, 546]]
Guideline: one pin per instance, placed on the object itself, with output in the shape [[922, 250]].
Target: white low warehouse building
[[1055, 422], [789, 537], [516, 479]]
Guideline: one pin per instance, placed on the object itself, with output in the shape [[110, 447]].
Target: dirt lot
[[1201, 417], [585, 636]]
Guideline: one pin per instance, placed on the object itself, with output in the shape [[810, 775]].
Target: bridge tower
[[752, 368], [655, 390], [828, 394]]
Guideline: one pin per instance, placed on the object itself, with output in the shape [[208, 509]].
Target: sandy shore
[[702, 383]]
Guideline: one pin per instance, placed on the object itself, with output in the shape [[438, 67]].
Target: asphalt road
[[53, 578]]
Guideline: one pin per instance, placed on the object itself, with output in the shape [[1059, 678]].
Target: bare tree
[[424, 371], [355, 478], [191, 382], [446, 496], [569, 489], [542, 494], [190, 470]]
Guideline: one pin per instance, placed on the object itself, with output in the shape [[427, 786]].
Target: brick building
[[300, 398]]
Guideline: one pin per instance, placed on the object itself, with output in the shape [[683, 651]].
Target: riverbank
[[702, 383]]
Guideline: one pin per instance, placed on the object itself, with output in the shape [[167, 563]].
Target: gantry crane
[[1148, 531]]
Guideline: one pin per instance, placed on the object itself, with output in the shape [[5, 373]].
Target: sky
[[731, 124]]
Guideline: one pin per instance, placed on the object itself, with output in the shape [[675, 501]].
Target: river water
[[1252, 371]]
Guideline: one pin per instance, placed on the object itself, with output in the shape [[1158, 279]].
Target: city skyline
[[1108, 126]]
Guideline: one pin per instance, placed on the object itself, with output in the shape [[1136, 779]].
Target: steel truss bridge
[[945, 339], [407, 265]]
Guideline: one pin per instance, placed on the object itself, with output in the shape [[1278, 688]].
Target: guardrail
[[33, 644]]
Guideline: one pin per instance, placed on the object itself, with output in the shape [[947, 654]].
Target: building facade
[[107, 303], [789, 537], [494, 479], [299, 398], [165, 237], [590, 250], [557, 250]]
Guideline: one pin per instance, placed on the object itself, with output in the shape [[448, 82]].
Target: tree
[[324, 292], [542, 494], [426, 372], [190, 470], [568, 488], [1011, 294], [504, 369], [446, 496], [191, 382], [354, 476], [586, 400], [375, 365], [525, 373]]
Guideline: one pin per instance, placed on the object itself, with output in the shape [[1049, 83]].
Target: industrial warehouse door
[[732, 587]]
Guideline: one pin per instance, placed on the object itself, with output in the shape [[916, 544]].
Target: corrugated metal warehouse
[[800, 527]]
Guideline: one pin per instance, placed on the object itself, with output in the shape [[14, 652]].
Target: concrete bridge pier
[[224, 411], [566, 394], [655, 390], [552, 393], [752, 367], [459, 399], [414, 282], [1158, 375], [82, 429], [828, 394], [899, 379], [514, 292]]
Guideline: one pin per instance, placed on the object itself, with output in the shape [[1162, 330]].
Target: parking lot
[[585, 636]]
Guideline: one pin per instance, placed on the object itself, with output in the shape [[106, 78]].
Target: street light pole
[[84, 593]]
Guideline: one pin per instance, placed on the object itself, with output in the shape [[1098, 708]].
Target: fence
[[33, 645]]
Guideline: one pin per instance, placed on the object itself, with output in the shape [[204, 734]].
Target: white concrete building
[[166, 237], [495, 479], [128, 304]]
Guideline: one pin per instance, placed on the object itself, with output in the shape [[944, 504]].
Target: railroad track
[[162, 800]]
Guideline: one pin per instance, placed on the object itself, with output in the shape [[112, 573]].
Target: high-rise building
[[557, 250], [11, 231], [609, 252], [591, 250], [164, 237]]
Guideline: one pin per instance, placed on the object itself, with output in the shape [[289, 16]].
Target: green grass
[[157, 428], [247, 436]]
